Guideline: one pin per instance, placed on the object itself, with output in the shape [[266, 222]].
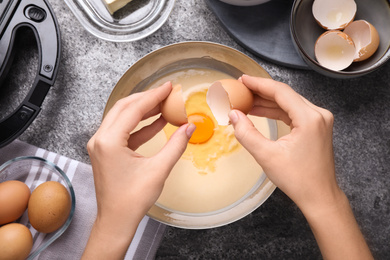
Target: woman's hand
[[301, 164], [128, 184]]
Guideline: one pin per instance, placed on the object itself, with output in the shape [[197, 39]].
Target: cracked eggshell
[[227, 94], [365, 38], [334, 50], [334, 14], [173, 107]]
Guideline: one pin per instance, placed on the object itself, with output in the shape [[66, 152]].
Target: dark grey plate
[[262, 29]]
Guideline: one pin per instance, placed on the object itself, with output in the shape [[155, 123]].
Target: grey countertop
[[90, 68]]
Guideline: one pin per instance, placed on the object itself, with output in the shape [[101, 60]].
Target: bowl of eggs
[[342, 38], [216, 181], [37, 203]]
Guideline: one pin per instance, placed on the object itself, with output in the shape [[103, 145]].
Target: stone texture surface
[[90, 67]]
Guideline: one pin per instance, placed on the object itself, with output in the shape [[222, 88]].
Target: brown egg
[[334, 14], [227, 94], [49, 206], [14, 197], [365, 38], [15, 242], [222, 96], [173, 108]]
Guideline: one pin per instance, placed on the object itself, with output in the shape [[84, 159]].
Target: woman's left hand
[[128, 184]]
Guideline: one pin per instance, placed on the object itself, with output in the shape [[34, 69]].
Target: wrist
[[324, 204], [336, 230], [109, 238]]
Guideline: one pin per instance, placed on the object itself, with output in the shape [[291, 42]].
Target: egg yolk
[[204, 128], [209, 141]]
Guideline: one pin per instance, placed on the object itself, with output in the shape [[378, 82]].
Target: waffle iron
[[38, 16]]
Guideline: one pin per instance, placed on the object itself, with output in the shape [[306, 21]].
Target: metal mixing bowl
[[198, 55]]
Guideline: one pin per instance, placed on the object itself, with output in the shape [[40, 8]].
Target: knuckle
[[315, 118], [90, 145], [100, 144], [121, 103], [329, 117], [321, 120]]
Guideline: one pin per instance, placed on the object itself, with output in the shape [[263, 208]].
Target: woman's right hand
[[301, 163]]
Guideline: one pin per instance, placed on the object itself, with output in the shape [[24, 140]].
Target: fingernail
[[242, 77], [166, 83], [233, 116], [190, 129]]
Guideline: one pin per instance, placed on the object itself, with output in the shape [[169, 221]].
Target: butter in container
[[115, 5], [121, 20]]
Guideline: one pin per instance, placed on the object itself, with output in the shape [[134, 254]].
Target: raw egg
[[334, 14], [204, 128], [49, 206], [365, 38], [210, 141], [208, 108], [14, 197], [15, 242], [334, 50]]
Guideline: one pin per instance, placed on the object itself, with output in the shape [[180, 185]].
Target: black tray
[[262, 29]]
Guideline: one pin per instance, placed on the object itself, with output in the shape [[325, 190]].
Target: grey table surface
[[90, 68]]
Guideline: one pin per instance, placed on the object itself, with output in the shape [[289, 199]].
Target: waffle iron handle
[[16, 123], [47, 34]]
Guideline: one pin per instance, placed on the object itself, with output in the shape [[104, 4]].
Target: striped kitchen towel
[[70, 245]]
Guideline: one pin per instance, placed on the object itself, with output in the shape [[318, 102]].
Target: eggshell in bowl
[[334, 50], [227, 94], [334, 14], [365, 38], [173, 107]]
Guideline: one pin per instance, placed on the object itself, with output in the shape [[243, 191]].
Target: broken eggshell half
[[334, 50], [227, 94], [334, 14], [365, 38]]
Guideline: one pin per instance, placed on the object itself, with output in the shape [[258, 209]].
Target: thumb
[[247, 134], [175, 147]]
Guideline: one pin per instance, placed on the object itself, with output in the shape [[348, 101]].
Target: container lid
[[137, 20]]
